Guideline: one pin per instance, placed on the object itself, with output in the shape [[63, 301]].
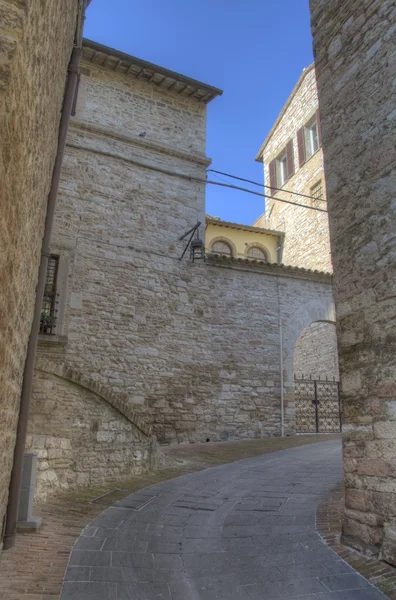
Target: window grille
[[317, 191], [222, 248], [48, 309], [257, 253]]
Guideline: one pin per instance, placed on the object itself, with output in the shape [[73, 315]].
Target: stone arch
[[320, 309], [115, 400], [261, 247], [83, 433], [315, 352], [226, 241]]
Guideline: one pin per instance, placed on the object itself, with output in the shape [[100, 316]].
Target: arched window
[[257, 253], [221, 247]]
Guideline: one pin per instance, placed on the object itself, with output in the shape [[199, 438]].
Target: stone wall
[[356, 69], [315, 353], [36, 40], [195, 347], [82, 433], [306, 242]]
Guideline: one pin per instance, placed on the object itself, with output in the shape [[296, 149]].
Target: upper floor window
[[221, 247], [281, 164], [49, 305], [309, 139], [257, 253], [282, 167]]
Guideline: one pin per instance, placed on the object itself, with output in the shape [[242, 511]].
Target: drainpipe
[[282, 407], [20, 443]]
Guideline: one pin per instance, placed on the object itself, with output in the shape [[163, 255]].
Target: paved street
[[241, 531]]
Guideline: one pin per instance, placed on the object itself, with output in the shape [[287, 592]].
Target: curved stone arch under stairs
[[116, 400], [83, 433]]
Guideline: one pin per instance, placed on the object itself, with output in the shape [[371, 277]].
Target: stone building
[[193, 350], [36, 40], [242, 241], [354, 46], [292, 157], [293, 161]]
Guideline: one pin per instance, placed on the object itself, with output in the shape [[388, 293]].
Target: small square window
[[316, 191], [49, 305]]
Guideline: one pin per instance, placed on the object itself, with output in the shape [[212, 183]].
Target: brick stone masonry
[[329, 517], [195, 347], [354, 46], [36, 40], [84, 435], [306, 242], [315, 353]]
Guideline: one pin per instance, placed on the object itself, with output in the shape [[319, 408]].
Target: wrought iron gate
[[318, 405]]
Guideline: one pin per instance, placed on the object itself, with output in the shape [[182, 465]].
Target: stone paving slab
[[241, 531]]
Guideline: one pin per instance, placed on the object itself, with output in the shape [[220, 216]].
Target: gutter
[[282, 387], [20, 443]]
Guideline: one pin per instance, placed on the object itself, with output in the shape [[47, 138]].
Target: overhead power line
[[143, 165], [266, 186], [237, 187]]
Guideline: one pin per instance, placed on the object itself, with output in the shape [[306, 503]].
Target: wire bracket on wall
[[196, 245]]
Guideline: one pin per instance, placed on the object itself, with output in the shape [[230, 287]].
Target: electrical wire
[[236, 187], [188, 177], [266, 186]]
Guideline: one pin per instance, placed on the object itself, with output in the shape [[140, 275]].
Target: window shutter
[[301, 146], [290, 159], [272, 175], [319, 128]]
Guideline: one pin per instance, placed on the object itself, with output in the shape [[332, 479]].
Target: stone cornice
[[135, 140], [258, 266], [130, 66]]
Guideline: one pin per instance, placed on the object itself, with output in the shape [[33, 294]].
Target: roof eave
[[239, 226], [260, 154], [207, 92]]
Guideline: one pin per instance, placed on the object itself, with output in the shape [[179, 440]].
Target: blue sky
[[254, 50]]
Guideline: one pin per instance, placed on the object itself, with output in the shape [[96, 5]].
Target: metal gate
[[318, 405]]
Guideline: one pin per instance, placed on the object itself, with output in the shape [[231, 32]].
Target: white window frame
[[281, 169], [311, 137]]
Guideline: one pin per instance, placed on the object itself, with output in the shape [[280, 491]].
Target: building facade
[[292, 157], [242, 241], [192, 349], [36, 41], [356, 68], [293, 161]]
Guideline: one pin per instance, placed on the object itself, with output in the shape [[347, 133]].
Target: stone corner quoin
[[354, 55]]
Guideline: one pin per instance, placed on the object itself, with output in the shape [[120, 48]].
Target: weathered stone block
[[35, 47], [352, 47], [385, 430], [388, 549]]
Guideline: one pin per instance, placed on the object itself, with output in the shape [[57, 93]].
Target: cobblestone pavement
[[241, 531]]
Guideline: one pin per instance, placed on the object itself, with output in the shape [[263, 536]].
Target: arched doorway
[[315, 352], [316, 379]]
